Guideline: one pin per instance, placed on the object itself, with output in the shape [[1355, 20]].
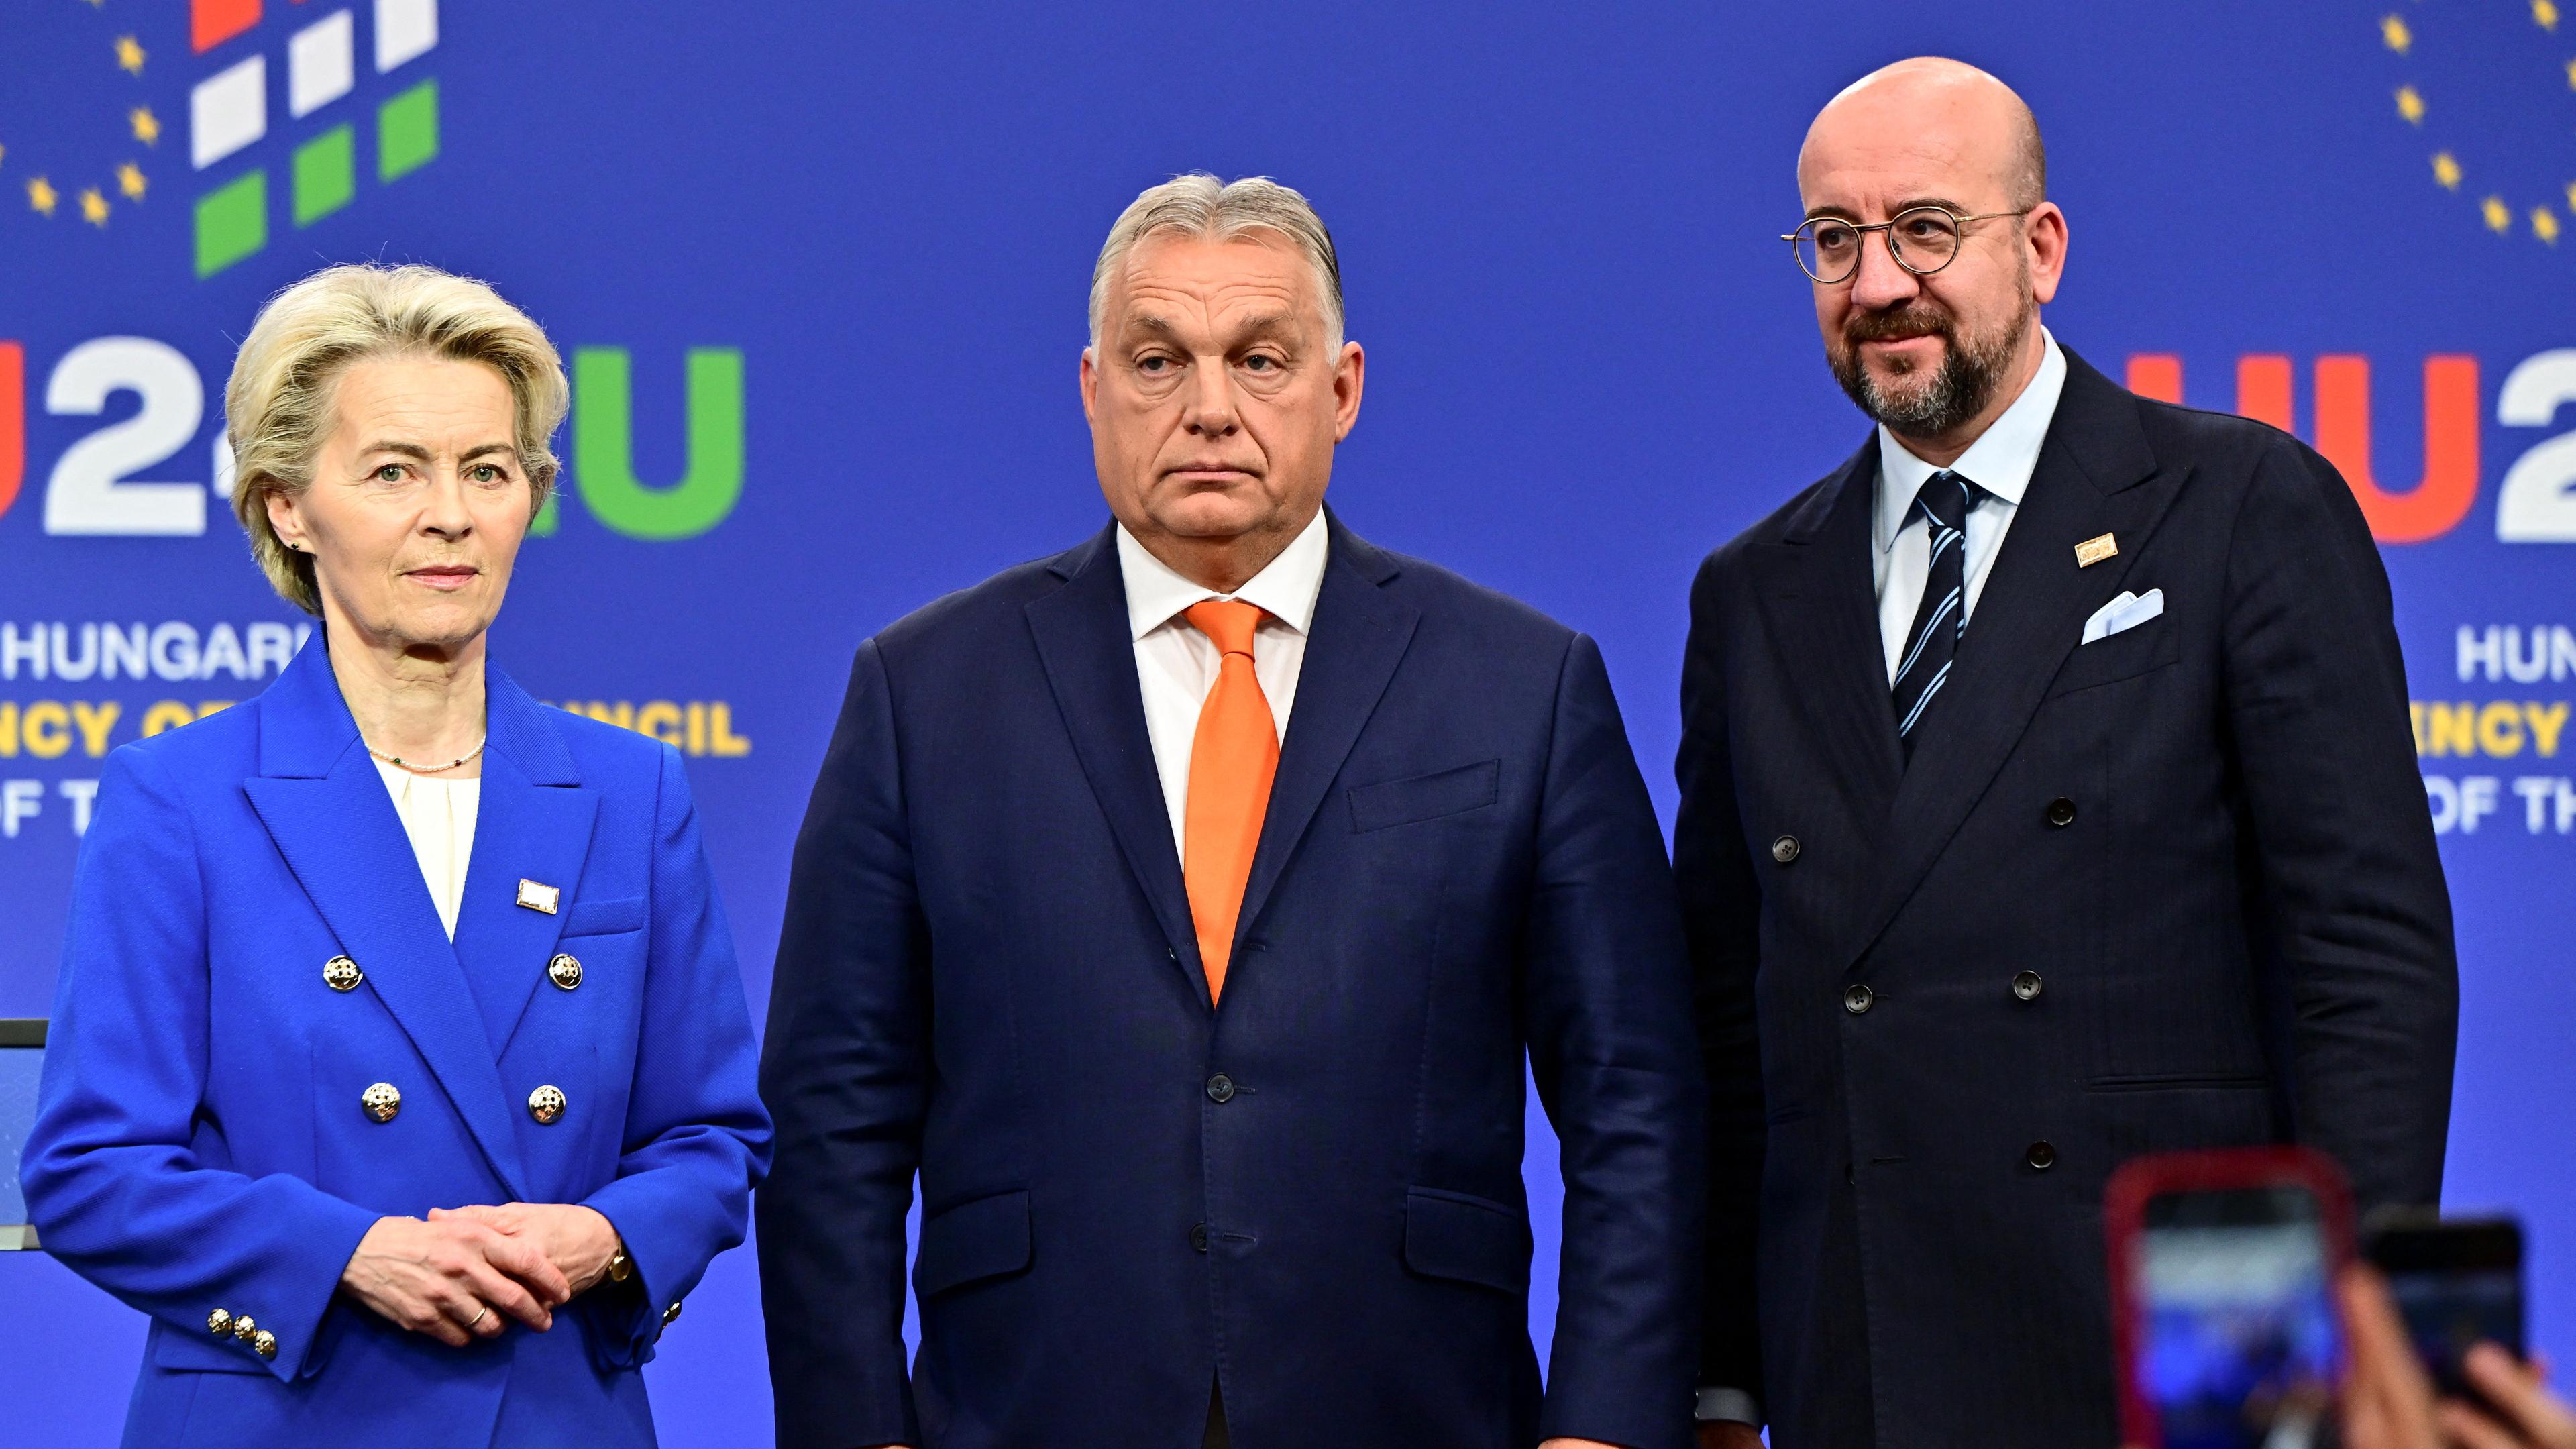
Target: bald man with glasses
[[2048, 797]]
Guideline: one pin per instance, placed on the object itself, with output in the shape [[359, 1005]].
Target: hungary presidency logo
[[254, 116], [2490, 92]]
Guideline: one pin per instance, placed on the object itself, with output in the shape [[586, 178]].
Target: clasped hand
[[466, 1272]]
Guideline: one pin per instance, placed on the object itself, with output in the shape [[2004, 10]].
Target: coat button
[[546, 1104], [264, 1343], [2026, 986], [342, 974], [1198, 1237], [383, 1102], [244, 1329], [2061, 812], [1220, 1088], [2041, 1156], [564, 971], [219, 1323], [671, 1314], [1785, 849], [1857, 998]]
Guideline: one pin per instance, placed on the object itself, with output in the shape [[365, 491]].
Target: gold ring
[[478, 1318]]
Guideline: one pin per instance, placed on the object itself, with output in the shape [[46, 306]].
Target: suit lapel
[[535, 824], [1090, 658], [327, 809], [2096, 475], [1820, 599], [1360, 632]]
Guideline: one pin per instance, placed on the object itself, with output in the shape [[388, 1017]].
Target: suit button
[[546, 1104], [219, 1323], [342, 974], [1785, 849], [383, 1102], [1198, 1237], [1220, 1088], [1857, 999], [2061, 812], [2041, 1156], [244, 1328], [564, 971], [671, 1314], [264, 1343], [2026, 986]]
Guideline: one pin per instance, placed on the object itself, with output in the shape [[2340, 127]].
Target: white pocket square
[[2125, 612]]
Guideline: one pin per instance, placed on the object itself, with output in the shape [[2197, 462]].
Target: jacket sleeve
[[120, 1181], [1608, 1007], [1722, 917], [846, 1071], [2347, 885], [696, 1137]]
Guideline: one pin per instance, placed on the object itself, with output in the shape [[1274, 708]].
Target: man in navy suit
[[2048, 798], [1182, 909]]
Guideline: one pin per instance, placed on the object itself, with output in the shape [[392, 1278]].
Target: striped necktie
[[1942, 617]]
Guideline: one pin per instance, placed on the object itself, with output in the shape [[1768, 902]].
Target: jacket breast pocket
[[604, 918], [972, 1241], [1426, 797], [2125, 655], [1467, 1239]]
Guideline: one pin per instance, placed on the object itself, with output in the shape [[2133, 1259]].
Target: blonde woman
[[402, 1071]]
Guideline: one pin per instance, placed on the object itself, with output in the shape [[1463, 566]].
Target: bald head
[[1943, 112]]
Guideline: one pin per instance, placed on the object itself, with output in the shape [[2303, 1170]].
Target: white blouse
[[438, 816]]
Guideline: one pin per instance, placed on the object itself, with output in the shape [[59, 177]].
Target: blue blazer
[[1311, 1196], [200, 1143]]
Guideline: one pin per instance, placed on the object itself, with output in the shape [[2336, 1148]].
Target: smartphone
[[2222, 1284], [2456, 1283]]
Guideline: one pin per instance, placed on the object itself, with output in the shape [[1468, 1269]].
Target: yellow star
[[2446, 170], [2410, 104], [2571, 196], [41, 195], [129, 179], [2546, 13], [2498, 215], [147, 126], [129, 54], [2544, 224], [93, 206], [2392, 30], [2571, 75]]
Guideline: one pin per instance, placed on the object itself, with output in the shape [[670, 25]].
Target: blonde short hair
[[278, 405], [1198, 205]]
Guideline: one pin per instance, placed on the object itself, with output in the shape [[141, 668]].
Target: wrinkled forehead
[[1868, 154], [1177, 280]]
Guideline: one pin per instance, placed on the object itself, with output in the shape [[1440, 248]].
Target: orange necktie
[[1232, 759]]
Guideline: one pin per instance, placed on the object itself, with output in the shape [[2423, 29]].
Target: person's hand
[[1725, 1434], [577, 1240], [2519, 1413], [2387, 1398], [455, 1279]]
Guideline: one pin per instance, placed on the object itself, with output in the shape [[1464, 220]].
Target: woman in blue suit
[[402, 1073]]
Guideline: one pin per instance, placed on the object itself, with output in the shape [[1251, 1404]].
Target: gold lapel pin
[[539, 897], [2093, 550]]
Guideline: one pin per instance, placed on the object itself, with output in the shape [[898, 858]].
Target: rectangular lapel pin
[[2093, 550], [539, 897]]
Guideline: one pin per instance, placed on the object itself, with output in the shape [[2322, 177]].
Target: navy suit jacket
[[2173, 889], [199, 1142], [988, 975]]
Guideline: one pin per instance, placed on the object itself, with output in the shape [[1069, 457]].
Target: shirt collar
[[1285, 589], [2000, 462]]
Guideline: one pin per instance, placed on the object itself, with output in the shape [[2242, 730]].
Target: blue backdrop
[[822, 270]]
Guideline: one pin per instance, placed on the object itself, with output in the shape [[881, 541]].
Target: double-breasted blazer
[[202, 1145], [2176, 888]]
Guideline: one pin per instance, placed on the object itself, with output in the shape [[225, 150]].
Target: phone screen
[[2457, 1284], [2241, 1345]]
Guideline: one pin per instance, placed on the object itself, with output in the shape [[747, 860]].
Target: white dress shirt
[[1176, 665], [438, 817], [1999, 463]]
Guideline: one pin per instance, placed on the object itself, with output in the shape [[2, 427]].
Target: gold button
[[219, 1323], [264, 1343], [244, 1328], [565, 970], [546, 1104], [383, 1102], [670, 1315], [342, 974]]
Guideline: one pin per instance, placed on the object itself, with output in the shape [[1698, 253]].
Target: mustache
[[1897, 323]]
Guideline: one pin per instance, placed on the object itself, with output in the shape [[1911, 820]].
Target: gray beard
[[1967, 380]]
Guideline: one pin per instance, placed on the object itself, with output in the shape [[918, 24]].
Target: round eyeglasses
[[1922, 239]]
